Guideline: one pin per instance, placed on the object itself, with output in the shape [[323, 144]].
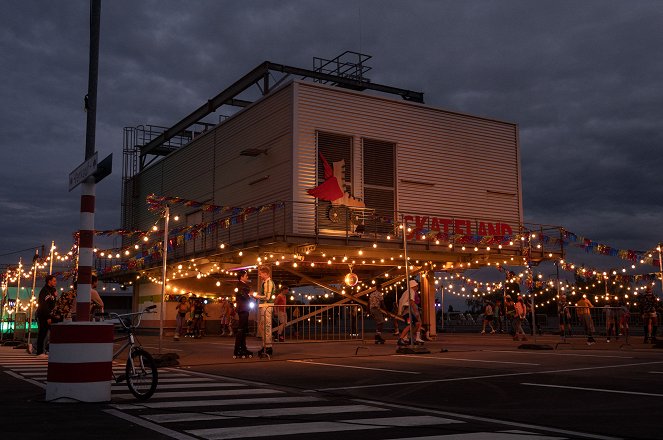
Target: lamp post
[[166, 215], [50, 266], [407, 280], [32, 296], [660, 262]]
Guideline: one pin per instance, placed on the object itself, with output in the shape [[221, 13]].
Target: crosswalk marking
[[215, 393], [316, 427], [189, 405], [212, 403], [263, 412]]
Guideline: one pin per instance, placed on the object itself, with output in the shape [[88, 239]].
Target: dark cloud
[[582, 79]]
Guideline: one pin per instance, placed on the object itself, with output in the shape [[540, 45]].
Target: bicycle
[[141, 371]]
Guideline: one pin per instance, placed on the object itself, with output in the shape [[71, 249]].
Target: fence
[[608, 321], [310, 323]]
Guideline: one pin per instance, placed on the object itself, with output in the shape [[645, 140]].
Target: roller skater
[[243, 300], [266, 295], [376, 304], [242, 354], [265, 352]]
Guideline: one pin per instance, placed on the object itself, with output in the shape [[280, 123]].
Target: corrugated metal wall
[[211, 169], [447, 163]]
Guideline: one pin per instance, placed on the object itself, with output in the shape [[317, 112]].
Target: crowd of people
[[499, 316]]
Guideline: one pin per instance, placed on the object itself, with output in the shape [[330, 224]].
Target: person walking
[[243, 300], [45, 303], [266, 309], [375, 307]]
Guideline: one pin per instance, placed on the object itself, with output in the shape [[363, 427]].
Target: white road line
[[656, 372], [159, 395], [156, 349], [601, 390], [313, 427], [33, 382], [213, 403], [547, 353], [265, 412], [179, 386], [487, 376], [353, 366], [489, 420], [487, 436], [462, 359], [149, 425], [183, 379]]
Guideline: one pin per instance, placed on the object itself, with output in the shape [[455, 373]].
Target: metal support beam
[[261, 72]]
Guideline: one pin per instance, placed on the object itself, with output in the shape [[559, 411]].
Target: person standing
[[226, 321], [266, 309], [96, 303], [407, 308], [611, 311], [180, 317], [648, 308], [243, 299], [564, 314], [199, 314], [584, 313], [45, 303], [375, 306], [487, 318], [519, 317], [280, 309], [510, 313]]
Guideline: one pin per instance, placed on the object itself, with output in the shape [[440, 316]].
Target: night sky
[[584, 81]]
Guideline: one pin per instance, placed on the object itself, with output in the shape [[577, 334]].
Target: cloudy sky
[[584, 81]]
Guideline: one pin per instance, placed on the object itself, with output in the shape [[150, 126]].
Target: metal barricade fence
[[316, 323], [606, 321]]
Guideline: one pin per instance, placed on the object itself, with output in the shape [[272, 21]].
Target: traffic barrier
[[80, 362]]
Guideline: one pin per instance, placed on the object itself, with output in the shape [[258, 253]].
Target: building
[[379, 159]]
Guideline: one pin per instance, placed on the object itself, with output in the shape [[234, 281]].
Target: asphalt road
[[573, 391], [606, 389]]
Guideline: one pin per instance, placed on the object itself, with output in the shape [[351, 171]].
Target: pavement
[[24, 410]]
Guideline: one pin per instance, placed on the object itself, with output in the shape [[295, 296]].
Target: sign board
[[19, 326], [84, 170]]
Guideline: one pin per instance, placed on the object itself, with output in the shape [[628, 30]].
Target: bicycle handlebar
[[119, 316]]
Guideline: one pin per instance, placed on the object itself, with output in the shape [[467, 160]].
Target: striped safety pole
[[86, 236], [85, 246]]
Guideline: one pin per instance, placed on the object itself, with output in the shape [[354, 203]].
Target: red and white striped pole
[[86, 236], [85, 246]]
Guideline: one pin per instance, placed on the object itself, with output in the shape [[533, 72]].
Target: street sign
[[104, 168], [84, 170]]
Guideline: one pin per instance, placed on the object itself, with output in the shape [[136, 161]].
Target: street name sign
[[83, 171]]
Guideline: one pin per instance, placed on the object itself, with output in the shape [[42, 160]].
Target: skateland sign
[[455, 226]]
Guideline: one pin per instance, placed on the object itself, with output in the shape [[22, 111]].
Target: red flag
[[330, 189]]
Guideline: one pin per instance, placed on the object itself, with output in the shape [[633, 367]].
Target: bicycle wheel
[[142, 374]]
